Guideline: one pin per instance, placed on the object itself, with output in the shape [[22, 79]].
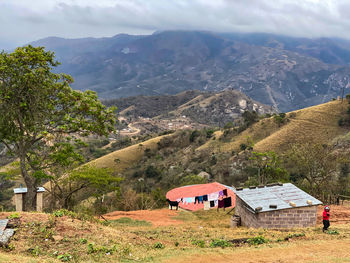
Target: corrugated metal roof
[[280, 195], [23, 190]]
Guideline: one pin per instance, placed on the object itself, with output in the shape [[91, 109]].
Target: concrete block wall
[[286, 218]]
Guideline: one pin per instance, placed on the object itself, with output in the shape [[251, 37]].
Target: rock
[[5, 237], [204, 175], [243, 104]]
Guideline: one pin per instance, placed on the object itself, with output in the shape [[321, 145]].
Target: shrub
[[194, 135], [333, 232], [280, 118], [198, 243], [243, 146], [97, 249], [65, 257], [13, 215], [83, 241], [209, 133], [257, 240], [220, 243], [158, 245]]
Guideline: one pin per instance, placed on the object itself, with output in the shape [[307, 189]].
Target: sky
[[24, 21]]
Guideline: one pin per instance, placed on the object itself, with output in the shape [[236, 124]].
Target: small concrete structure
[[276, 206], [20, 196]]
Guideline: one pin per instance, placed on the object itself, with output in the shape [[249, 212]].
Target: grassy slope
[[127, 156], [318, 123]]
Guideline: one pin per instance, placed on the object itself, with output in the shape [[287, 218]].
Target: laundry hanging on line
[[209, 200]]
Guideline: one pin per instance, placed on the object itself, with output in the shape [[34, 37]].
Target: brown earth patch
[[315, 251], [338, 214], [161, 217]]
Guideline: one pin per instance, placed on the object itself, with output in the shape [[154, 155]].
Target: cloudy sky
[[23, 21]]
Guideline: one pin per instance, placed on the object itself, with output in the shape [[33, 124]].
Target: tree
[[97, 181], [39, 109], [269, 167], [5, 190], [315, 165]]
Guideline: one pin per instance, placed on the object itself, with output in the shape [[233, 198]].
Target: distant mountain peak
[[286, 72]]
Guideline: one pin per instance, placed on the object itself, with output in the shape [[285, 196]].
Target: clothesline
[[219, 199]]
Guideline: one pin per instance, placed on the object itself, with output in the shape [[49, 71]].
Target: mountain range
[[284, 72]]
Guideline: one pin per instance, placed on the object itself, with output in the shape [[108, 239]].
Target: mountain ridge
[[170, 62]]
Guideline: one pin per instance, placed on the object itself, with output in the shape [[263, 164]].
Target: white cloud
[[22, 21]]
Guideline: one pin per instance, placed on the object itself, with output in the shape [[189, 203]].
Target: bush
[[209, 133], [243, 146], [198, 243], [194, 135], [65, 257], [220, 243], [13, 215], [333, 232], [152, 172], [158, 245], [229, 125], [257, 240], [280, 118]]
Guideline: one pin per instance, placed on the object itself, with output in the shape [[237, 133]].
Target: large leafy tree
[[314, 166], [38, 109], [269, 167]]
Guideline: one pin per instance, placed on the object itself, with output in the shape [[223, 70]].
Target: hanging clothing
[[205, 197], [225, 192], [206, 205], [227, 202], [188, 200], [212, 203], [221, 203], [213, 196], [196, 200], [200, 199]]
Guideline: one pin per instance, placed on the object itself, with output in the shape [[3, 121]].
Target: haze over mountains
[[284, 72]]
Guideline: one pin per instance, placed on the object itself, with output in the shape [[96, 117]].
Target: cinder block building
[[276, 206]]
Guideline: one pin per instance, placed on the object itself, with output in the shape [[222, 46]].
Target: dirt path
[[134, 131], [161, 217]]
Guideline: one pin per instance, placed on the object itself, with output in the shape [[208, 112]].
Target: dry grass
[[314, 123], [187, 242], [124, 158], [299, 251]]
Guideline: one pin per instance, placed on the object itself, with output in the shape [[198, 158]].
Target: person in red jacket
[[326, 215]]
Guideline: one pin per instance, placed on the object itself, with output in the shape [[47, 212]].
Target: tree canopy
[[39, 110]]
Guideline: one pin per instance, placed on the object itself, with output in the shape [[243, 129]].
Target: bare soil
[[338, 214], [162, 217]]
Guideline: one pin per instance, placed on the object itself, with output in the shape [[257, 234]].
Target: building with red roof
[[193, 191]]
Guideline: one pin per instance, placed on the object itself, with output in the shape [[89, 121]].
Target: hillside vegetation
[[208, 108], [317, 123]]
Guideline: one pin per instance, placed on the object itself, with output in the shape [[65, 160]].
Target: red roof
[[198, 190]]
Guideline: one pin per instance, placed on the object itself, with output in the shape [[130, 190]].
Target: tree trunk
[[30, 197]]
